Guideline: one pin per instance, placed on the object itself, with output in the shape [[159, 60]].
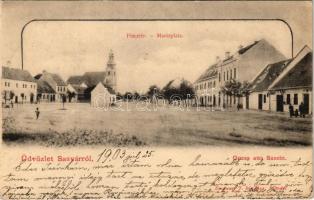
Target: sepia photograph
[[158, 83], [156, 100]]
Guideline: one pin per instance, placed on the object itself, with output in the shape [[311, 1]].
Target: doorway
[[260, 101], [279, 100], [306, 101], [247, 101]]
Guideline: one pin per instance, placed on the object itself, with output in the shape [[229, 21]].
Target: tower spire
[[111, 58], [111, 76]]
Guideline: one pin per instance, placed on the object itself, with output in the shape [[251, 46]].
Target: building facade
[[89, 80], [56, 83], [45, 93], [242, 66], [18, 86], [259, 94], [102, 97], [294, 85], [285, 83]]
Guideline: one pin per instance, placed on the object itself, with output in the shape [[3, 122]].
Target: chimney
[[8, 63], [227, 54], [44, 71], [240, 47], [217, 59]]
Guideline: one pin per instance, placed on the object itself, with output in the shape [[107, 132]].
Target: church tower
[[111, 74]]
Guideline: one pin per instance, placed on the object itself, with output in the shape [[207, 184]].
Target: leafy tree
[[127, 96], [119, 95], [153, 90], [136, 95], [71, 95], [245, 88], [11, 95], [184, 91], [236, 88]]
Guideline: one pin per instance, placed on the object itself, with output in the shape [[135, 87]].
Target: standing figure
[[301, 109], [296, 113], [37, 113], [291, 110]]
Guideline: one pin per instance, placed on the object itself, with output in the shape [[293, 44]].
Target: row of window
[[212, 99], [206, 85], [60, 89], [288, 99], [8, 84], [295, 99], [226, 74], [48, 96], [114, 73]]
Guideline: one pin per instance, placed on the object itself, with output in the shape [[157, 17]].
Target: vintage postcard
[[156, 100]]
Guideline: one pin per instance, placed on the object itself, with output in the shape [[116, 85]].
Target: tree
[[236, 88], [127, 96], [119, 95], [136, 95], [231, 88], [184, 91], [153, 90], [11, 95], [245, 88], [71, 95]]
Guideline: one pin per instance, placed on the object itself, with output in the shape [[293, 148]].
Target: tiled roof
[[44, 87], [268, 75], [212, 72], [56, 77], [93, 78], [89, 78], [16, 74], [75, 80], [209, 73], [245, 49], [299, 76], [79, 89], [110, 90]]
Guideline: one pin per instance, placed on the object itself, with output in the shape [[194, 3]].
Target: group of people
[[297, 112]]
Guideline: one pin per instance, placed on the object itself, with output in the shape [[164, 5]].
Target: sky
[[72, 48]]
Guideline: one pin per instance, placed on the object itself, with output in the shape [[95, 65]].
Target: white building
[[285, 83], [241, 66], [89, 80], [259, 94], [18, 86], [56, 83], [102, 96], [294, 85], [45, 93]]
